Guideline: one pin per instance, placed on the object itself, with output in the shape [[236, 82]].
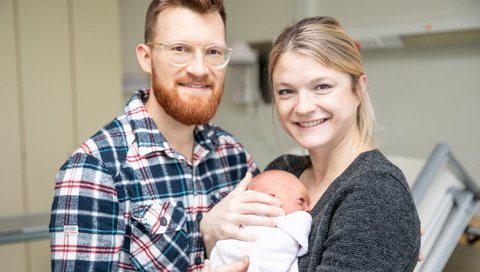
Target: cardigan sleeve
[[373, 226]]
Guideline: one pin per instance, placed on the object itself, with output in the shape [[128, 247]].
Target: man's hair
[[200, 6]]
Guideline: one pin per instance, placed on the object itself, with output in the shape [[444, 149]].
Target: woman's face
[[315, 104]]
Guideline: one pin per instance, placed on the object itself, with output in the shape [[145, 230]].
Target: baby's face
[[285, 186]]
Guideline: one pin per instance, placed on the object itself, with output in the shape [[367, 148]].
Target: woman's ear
[[361, 88], [362, 82], [144, 58]]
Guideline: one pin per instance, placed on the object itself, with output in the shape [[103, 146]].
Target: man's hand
[[239, 208]]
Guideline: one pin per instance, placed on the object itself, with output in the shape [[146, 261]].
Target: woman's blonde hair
[[323, 39]]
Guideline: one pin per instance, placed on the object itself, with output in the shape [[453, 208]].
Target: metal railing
[[24, 227], [457, 208]]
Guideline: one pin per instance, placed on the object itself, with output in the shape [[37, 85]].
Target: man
[[132, 196]]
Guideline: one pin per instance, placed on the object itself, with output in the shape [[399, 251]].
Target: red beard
[[189, 109]]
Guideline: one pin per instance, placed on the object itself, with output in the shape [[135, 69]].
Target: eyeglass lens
[[183, 53]]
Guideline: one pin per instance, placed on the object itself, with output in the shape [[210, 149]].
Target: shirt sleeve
[[252, 166], [374, 227], [86, 229]]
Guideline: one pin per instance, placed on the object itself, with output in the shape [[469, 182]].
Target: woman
[[364, 218]]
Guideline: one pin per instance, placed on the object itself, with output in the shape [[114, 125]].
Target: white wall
[[255, 20], [252, 125], [132, 13], [421, 96]]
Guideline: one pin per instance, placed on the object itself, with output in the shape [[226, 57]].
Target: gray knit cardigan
[[365, 221]]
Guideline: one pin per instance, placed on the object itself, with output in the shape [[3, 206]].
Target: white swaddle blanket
[[277, 249]]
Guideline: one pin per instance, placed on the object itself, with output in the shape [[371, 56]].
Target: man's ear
[[144, 58]]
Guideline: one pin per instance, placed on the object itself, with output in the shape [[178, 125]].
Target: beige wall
[[60, 74]]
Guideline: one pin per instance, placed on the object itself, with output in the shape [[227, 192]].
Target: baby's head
[[283, 185]]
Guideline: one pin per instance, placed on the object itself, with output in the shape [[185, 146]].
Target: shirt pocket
[[159, 240]]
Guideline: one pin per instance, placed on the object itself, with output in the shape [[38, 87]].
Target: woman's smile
[[313, 123]]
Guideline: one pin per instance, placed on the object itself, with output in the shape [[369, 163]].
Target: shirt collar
[[149, 139]]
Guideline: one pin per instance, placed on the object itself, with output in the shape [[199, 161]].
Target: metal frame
[[458, 206], [21, 228]]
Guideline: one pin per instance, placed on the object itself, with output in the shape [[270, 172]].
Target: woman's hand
[[240, 266], [420, 256], [239, 208]]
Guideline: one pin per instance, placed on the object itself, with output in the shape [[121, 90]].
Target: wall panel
[[11, 199], [96, 28], [12, 256], [39, 257], [46, 75], [60, 74]]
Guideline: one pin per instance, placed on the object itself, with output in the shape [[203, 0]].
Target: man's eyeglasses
[[181, 54]]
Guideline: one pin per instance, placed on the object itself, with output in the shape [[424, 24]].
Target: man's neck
[[179, 136]]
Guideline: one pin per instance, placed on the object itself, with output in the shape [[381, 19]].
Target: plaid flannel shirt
[[125, 200]]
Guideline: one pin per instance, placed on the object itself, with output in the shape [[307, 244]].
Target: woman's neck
[[327, 163]]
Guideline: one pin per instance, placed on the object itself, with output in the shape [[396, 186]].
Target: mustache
[[206, 80]]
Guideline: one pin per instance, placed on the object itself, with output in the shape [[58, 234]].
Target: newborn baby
[[276, 249]]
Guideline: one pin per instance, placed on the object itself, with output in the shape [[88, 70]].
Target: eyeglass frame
[[227, 52]]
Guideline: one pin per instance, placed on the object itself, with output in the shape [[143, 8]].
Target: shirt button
[[163, 221], [198, 260], [199, 216]]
